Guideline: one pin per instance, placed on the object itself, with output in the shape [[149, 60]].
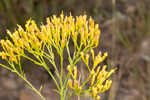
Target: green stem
[[50, 58], [61, 63], [36, 62], [20, 68], [86, 81], [50, 73], [61, 76], [5, 67], [31, 86], [68, 51], [24, 78]]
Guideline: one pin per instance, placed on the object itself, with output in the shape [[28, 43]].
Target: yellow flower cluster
[[74, 84], [56, 32], [10, 51], [100, 81], [98, 77]]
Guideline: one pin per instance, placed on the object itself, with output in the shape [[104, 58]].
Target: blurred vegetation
[[125, 26]]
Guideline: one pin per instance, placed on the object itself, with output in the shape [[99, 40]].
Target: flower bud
[[94, 92], [70, 83], [75, 84], [75, 72], [69, 69]]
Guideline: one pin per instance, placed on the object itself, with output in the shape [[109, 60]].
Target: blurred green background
[[125, 26]]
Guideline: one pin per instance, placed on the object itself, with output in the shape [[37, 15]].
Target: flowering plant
[[56, 35]]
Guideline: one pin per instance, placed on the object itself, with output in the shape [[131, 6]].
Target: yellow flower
[[70, 83], [76, 83], [69, 69], [98, 97], [94, 92], [107, 85], [75, 73], [4, 56], [99, 58], [97, 70], [93, 55], [110, 73], [82, 56], [87, 59]]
